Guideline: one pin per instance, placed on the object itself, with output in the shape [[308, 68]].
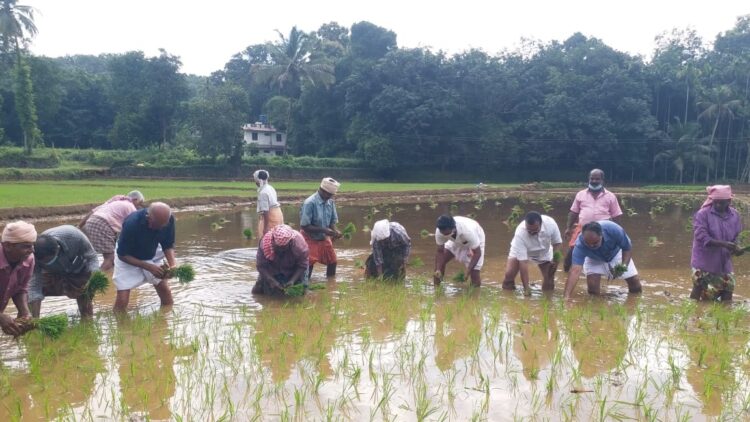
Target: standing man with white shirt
[[537, 239], [461, 238]]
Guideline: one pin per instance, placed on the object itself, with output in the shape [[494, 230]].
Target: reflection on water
[[359, 350]]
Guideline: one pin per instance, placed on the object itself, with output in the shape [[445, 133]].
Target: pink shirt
[[589, 208], [14, 280], [115, 212]]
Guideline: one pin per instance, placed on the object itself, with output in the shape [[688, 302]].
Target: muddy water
[[361, 350]]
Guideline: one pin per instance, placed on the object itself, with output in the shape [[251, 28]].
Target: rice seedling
[[316, 286], [459, 277], [516, 213], [98, 283], [215, 226], [654, 242], [296, 290], [349, 231], [424, 234], [366, 229], [248, 233], [619, 270], [417, 207], [184, 273], [557, 256], [52, 326], [416, 262]]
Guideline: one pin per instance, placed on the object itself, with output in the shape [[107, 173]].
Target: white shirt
[[537, 247], [469, 234]]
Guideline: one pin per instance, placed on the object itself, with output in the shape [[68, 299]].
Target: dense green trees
[[549, 108]]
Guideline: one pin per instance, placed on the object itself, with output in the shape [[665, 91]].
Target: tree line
[[681, 116]]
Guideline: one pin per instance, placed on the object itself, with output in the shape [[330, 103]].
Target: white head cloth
[[330, 185], [260, 181], [380, 230]]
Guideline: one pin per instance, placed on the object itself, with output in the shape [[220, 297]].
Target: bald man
[[146, 240]]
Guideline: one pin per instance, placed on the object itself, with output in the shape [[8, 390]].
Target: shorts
[[464, 254], [537, 259], [128, 276], [595, 266]]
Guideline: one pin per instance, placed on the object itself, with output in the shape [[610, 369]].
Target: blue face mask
[[595, 187]]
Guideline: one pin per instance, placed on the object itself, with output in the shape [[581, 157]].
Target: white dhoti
[[128, 276], [464, 254], [595, 266]]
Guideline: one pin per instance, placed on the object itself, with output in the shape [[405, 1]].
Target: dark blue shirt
[[139, 241], [614, 240]]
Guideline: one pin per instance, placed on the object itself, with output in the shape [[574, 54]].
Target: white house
[[263, 139]]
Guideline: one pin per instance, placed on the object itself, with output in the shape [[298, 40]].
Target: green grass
[[79, 192]]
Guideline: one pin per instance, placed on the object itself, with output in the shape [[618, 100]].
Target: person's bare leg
[[443, 260], [548, 278], [35, 307], [476, 278], [108, 261], [593, 281], [85, 306], [331, 270], [164, 292], [568, 261], [511, 270], [696, 292], [121, 301], [726, 296], [309, 271], [634, 284]]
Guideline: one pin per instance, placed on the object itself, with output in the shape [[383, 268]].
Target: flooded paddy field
[[364, 350]]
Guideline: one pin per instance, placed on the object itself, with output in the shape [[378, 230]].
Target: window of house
[[255, 136], [278, 137]]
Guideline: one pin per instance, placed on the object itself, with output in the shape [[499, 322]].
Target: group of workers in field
[[139, 245]]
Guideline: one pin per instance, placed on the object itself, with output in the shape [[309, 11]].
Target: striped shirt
[[398, 240]]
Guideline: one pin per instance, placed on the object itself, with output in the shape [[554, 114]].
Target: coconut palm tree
[[686, 148], [16, 24], [295, 63]]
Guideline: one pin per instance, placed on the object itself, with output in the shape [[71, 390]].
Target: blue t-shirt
[[614, 240], [139, 241], [317, 212]]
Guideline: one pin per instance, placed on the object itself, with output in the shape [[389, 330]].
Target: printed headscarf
[[717, 192], [280, 235], [19, 232], [380, 230]]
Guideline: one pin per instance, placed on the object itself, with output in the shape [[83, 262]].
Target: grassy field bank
[[80, 192]]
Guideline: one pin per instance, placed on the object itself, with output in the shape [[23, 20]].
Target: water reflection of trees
[[535, 334], [458, 328], [145, 366], [60, 377], [598, 333]]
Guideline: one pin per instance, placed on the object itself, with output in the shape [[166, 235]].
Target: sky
[[205, 34]]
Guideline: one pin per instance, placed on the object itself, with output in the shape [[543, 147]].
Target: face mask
[[595, 186], [52, 261]]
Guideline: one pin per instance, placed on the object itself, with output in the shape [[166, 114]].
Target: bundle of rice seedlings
[[619, 270], [52, 326], [557, 256], [185, 273], [349, 231], [296, 290], [460, 277], [248, 233], [98, 283], [424, 233], [416, 262], [316, 286]]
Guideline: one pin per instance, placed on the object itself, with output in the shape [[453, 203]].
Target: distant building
[[263, 139]]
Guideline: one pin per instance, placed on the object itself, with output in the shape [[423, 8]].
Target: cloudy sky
[[205, 34]]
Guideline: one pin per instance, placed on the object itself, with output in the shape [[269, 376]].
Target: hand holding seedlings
[[618, 270]]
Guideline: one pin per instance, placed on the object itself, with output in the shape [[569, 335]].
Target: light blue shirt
[[317, 212], [614, 240]]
